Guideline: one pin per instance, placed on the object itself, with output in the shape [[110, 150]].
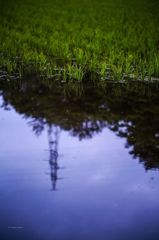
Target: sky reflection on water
[[101, 191]]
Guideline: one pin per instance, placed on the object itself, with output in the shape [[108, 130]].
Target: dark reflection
[[53, 140], [130, 110], [53, 136]]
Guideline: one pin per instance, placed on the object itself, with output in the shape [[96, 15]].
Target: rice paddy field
[[79, 119], [80, 39]]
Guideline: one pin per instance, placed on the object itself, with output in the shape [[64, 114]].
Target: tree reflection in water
[[53, 136], [53, 141], [131, 111]]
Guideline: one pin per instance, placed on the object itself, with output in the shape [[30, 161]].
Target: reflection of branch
[[5, 105], [88, 128], [38, 125], [145, 143]]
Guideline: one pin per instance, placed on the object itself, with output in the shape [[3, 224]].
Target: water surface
[[78, 166]]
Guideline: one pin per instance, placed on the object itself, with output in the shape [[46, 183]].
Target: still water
[[78, 167]]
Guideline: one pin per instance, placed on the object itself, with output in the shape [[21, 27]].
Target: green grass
[[117, 39]]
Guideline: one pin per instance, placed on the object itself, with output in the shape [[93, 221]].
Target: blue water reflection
[[101, 191]]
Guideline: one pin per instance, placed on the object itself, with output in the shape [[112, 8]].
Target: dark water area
[[79, 163]]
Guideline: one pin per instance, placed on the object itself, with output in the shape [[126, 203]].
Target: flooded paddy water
[[81, 165]]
